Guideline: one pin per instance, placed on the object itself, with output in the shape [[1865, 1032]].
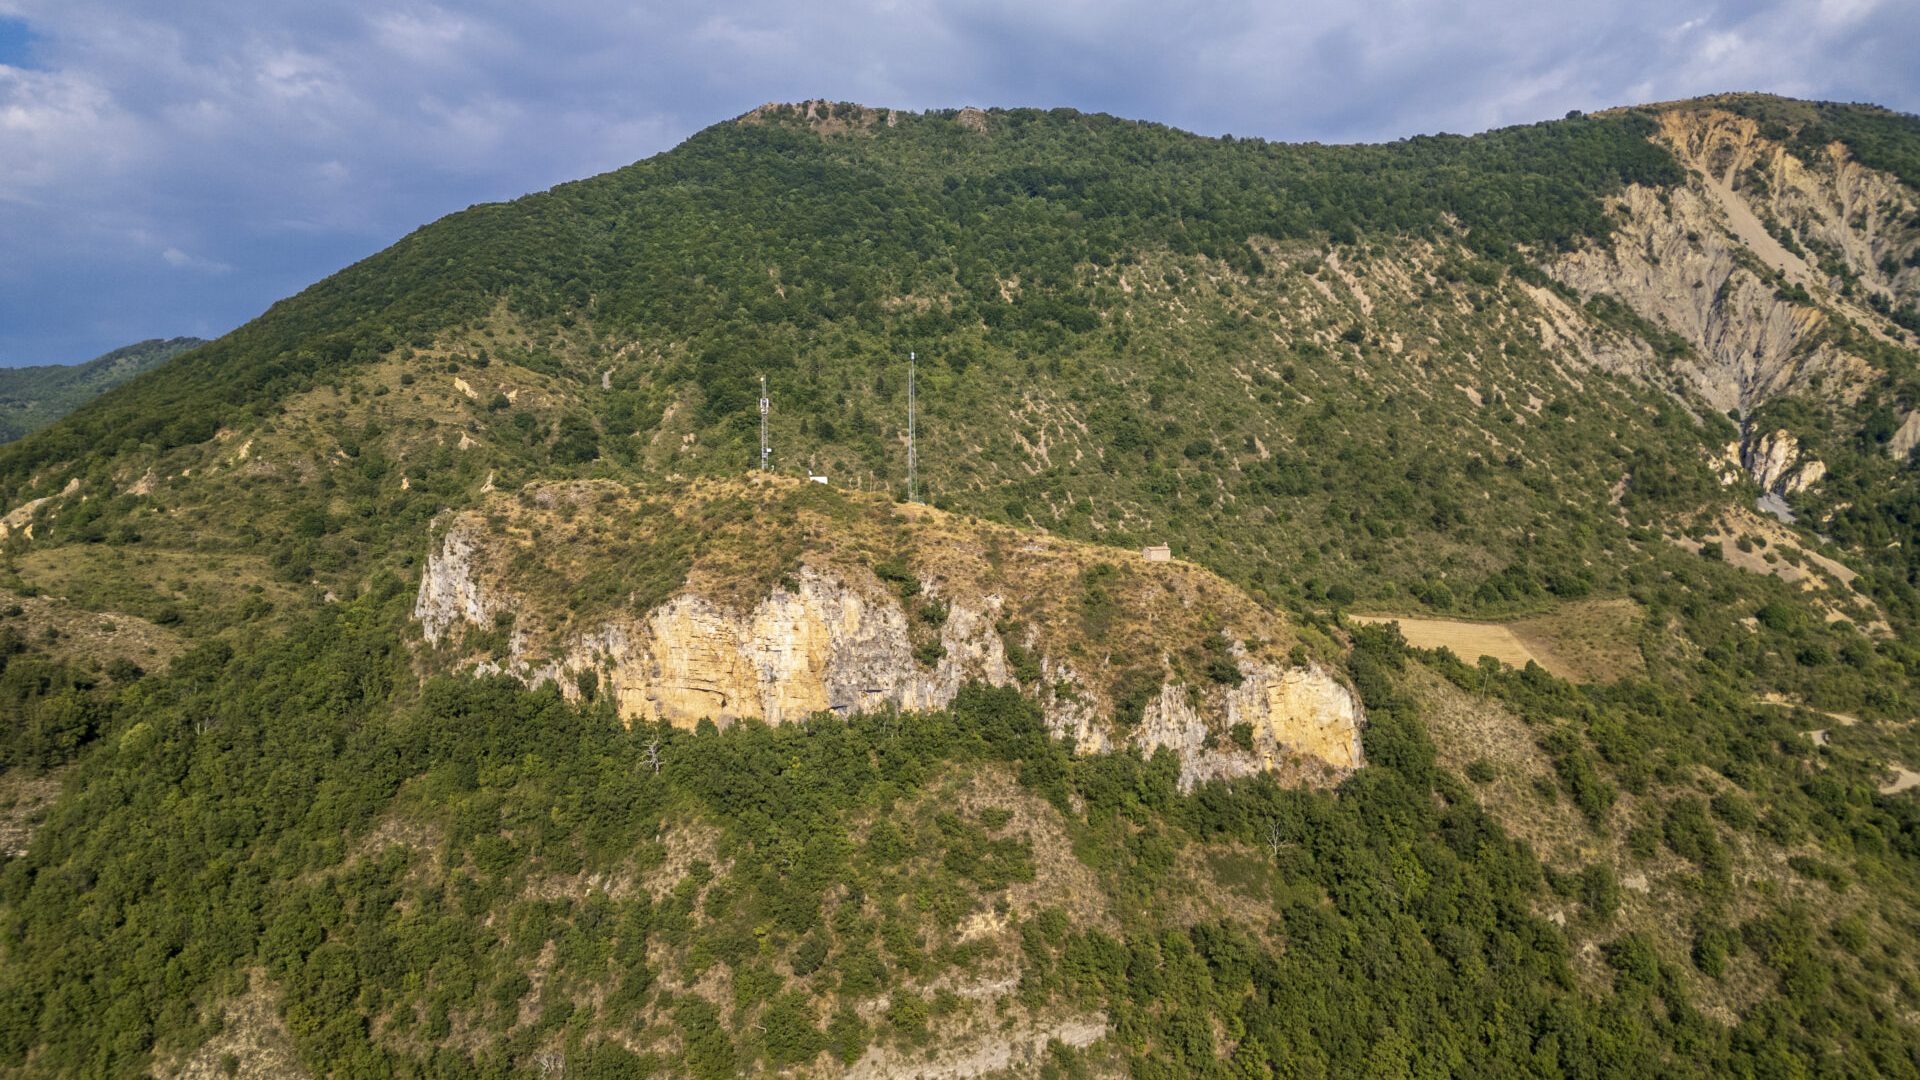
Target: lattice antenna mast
[[765, 407], [913, 460]]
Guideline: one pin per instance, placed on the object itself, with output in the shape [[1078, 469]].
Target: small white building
[[816, 479], [1157, 553]]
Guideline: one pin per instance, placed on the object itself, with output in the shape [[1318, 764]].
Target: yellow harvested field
[[1468, 640], [1587, 641]]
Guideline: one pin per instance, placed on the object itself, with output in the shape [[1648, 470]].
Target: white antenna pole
[[764, 407], [913, 461]]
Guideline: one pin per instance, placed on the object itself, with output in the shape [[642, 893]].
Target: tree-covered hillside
[[768, 226], [33, 397], [1541, 379]]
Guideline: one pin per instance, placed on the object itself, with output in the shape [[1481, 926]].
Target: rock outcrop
[[1675, 262], [1905, 437], [1282, 714], [832, 639], [1777, 464], [21, 517]]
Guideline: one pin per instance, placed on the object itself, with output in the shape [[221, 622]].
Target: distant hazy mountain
[[33, 397]]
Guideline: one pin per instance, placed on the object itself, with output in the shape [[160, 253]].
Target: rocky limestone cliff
[[1297, 711], [821, 647], [832, 640]]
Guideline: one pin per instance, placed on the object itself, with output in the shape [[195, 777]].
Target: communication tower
[[913, 461], [765, 406]]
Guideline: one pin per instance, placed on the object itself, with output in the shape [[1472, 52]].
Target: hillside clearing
[[1468, 640], [1903, 780]]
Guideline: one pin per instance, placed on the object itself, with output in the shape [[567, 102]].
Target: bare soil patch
[[1017, 1051], [1904, 779]]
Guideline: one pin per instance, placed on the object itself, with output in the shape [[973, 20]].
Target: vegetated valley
[[418, 682]]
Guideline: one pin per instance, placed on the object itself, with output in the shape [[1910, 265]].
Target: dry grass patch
[[24, 799], [1467, 729], [90, 639], [252, 1044], [1468, 640], [1587, 641], [156, 583], [1594, 641]]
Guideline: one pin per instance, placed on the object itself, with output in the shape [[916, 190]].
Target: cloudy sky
[[174, 168]]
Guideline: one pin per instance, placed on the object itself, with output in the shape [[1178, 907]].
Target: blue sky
[[175, 168]]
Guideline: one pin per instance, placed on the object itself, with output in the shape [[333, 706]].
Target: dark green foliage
[[1879, 138], [236, 845], [1600, 891], [1691, 835], [1581, 776], [1242, 737], [46, 709], [1022, 662], [791, 1037]]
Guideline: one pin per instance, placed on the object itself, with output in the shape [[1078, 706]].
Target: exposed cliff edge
[[1116, 653], [1760, 263]]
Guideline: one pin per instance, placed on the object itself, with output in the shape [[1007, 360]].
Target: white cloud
[[180, 260]]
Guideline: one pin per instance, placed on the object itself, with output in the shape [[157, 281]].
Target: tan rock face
[[1864, 215], [1905, 438], [1702, 259], [20, 517], [822, 643], [1777, 465], [1293, 713], [1303, 710], [1677, 265], [822, 648]]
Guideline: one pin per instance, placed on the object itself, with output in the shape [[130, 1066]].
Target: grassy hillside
[[1480, 377], [33, 397]]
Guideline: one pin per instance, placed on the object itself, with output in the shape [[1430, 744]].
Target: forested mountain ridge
[[33, 397], [1542, 374]]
